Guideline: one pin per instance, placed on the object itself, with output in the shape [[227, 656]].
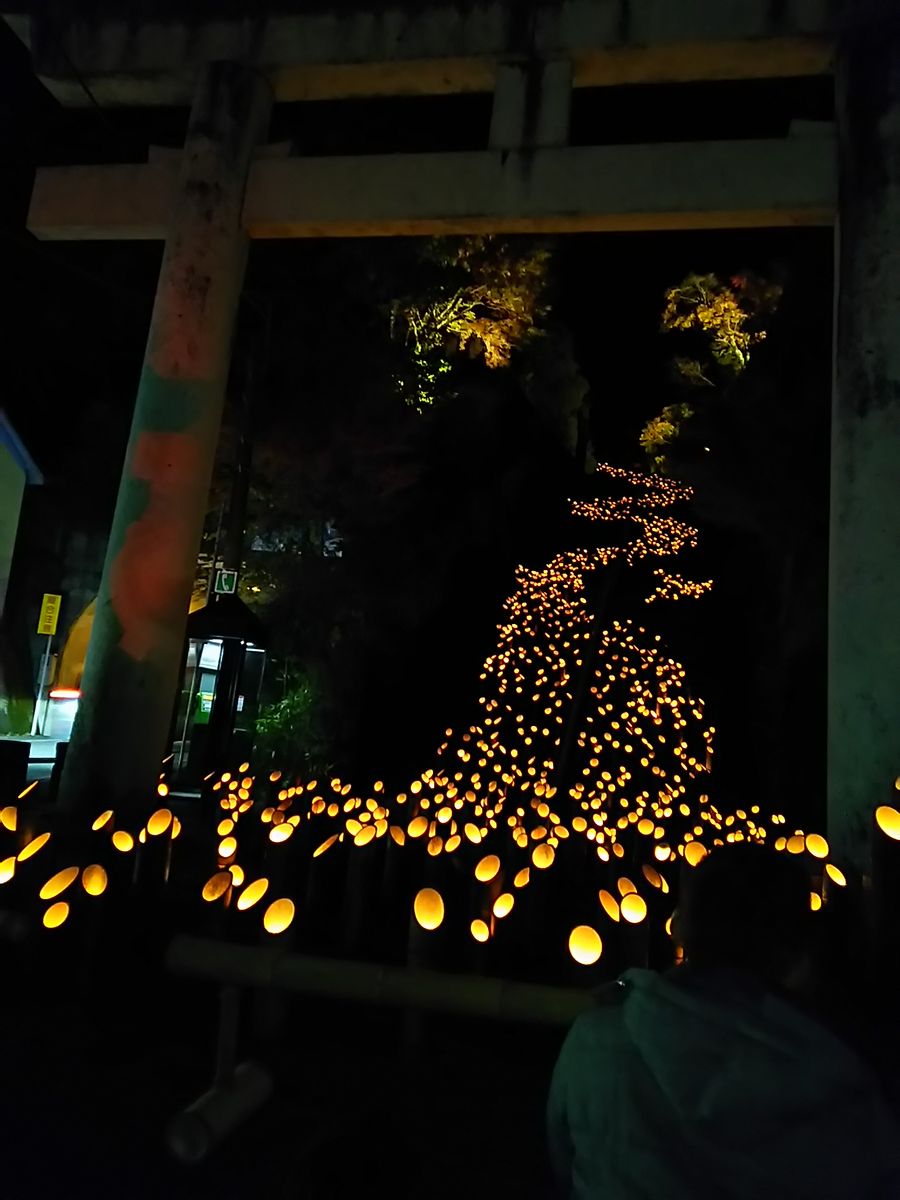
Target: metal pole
[[45, 662]]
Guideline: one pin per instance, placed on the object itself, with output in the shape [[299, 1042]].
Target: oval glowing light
[[216, 886], [625, 886], [543, 856], [159, 822], [479, 930], [326, 845], [610, 904], [634, 908], [252, 893], [815, 901], [58, 883], [428, 907], [417, 826], [278, 916], [237, 874], [397, 834], [225, 827], [816, 845], [503, 905], [7, 868], [33, 846], [888, 821], [8, 817], [123, 841], [228, 847], [94, 880], [694, 853], [585, 945], [56, 914], [102, 820], [653, 876], [836, 875], [364, 836], [522, 877], [279, 833], [487, 868]]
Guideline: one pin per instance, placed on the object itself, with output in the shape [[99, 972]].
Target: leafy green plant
[[291, 731]]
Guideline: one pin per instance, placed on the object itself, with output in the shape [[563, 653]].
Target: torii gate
[[226, 187]]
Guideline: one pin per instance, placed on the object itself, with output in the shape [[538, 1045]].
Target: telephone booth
[[216, 713]]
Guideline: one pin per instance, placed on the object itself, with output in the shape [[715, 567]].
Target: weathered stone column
[[864, 602], [137, 640]]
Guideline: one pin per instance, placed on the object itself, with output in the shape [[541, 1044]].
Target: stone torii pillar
[[864, 603], [137, 642]]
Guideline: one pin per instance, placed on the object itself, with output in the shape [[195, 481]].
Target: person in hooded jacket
[[709, 1081]]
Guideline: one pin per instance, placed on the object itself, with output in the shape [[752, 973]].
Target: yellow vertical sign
[[49, 614]]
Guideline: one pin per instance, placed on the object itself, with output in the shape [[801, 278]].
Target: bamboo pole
[[471, 995]]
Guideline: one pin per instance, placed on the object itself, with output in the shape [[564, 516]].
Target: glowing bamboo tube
[[487, 868], [216, 886], [428, 908], [326, 845], [56, 914], [634, 908], [888, 821], [694, 853], [836, 875], [252, 893], [94, 880], [58, 883], [278, 916], [585, 945], [816, 845], [610, 904], [159, 822], [34, 846]]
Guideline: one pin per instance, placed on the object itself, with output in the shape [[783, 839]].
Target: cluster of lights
[[676, 587], [586, 737]]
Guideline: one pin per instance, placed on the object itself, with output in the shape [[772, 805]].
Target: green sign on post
[[226, 583]]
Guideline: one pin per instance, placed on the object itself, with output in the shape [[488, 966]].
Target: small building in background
[[17, 470]]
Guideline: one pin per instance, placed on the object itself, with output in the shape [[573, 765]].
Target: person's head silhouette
[[747, 907]]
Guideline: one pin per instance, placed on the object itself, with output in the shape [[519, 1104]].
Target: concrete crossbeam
[[571, 189], [436, 48]]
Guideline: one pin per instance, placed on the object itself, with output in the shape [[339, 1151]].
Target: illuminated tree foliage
[[728, 314], [488, 297], [723, 320], [661, 431], [482, 297]]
